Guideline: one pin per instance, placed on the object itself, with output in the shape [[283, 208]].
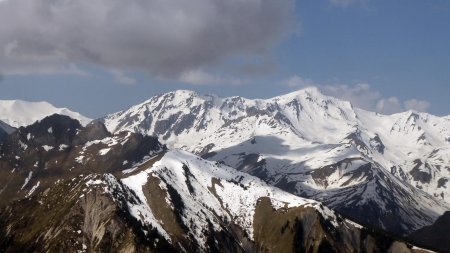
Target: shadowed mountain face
[[3, 134], [436, 236], [388, 171], [5, 130], [68, 188]]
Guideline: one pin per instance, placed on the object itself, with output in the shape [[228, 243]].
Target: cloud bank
[[163, 37], [200, 77], [362, 95]]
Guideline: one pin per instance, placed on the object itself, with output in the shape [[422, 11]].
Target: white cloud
[[199, 77], [165, 38], [417, 105], [361, 95], [389, 105], [297, 81]]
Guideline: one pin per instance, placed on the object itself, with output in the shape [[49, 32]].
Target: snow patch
[[33, 189], [104, 151], [63, 147], [79, 159], [47, 147], [30, 174]]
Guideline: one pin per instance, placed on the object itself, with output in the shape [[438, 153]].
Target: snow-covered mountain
[[387, 170], [17, 113], [82, 189]]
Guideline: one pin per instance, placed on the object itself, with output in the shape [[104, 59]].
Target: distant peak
[[311, 91], [18, 113], [184, 93], [18, 102]]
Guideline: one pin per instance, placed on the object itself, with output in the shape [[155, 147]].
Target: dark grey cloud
[[164, 37]]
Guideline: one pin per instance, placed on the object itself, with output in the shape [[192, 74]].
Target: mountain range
[[71, 188], [189, 172], [393, 167]]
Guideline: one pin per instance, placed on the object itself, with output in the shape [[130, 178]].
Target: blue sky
[[386, 56]]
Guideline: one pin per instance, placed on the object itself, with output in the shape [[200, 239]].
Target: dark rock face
[[442, 182], [305, 230], [3, 134], [420, 175], [5, 130], [93, 131], [376, 143], [436, 236], [53, 130], [58, 147]]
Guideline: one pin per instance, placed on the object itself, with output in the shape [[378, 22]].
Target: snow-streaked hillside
[[178, 202], [208, 190], [17, 113], [315, 146]]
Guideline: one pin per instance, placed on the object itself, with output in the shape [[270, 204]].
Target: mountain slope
[[313, 146], [436, 236], [17, 113], [76, 215], [5, 130], [81, 189], [265, 219], [58, 147], [181, 203]]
